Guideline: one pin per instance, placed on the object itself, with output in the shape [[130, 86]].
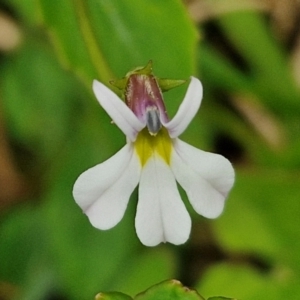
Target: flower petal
[[103, 191], [161, 215], [187, 109], [120, 113], [206, 177]]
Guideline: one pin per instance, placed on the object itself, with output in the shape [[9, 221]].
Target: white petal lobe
[[206, 177], [120, 113], [103, 191], [161, 215], [187, 109]]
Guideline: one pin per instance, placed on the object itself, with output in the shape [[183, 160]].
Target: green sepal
[[112, 296], [168, 84], [163, 83], [119, 83], [147, 70]]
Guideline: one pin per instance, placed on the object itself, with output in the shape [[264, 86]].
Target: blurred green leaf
[[113, 37], [148, 268], [261, 216], [220, 73], [260, 220], [17, 247], [61, 18], [245, 282], [26, 10], [269, 69], [39, 99]]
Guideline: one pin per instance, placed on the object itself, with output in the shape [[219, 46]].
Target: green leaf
[[66, 34], [111, 37], [166, 290], [261, 216], [220, 73], [39, 99], [17, 245], [130, 33], [260, 221], [26, 10], [244, 282], [169, 290], [112, 296], [221, 298]]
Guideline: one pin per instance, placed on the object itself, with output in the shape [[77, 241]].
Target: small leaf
[[170, 289]]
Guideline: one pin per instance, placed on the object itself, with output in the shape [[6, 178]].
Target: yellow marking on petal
[[146, 145]]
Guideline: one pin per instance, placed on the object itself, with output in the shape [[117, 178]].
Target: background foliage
[[246, 53]]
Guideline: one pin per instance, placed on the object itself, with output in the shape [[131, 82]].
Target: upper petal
[[103, 191], [120, 113], [206, 177], [161, 215], [187, 109]]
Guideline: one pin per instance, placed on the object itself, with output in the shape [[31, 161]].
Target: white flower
[[155, 159]]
